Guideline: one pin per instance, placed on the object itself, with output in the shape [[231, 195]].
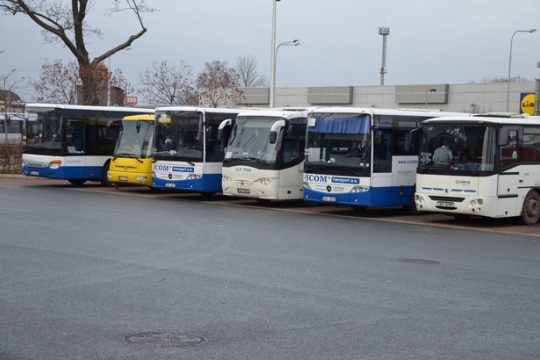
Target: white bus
[[494, 170], [72, 142], [265, 155], [363, 157], [188, 151]]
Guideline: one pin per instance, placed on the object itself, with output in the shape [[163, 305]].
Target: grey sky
[[430, 41]]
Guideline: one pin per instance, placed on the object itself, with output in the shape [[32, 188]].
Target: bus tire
[[77, 182], [411, 209], [104, 181], [531, 208], [207, 194], [357, 208]]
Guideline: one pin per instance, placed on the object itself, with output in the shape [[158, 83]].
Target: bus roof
[[382, 111], [483, 120], [149, 117], [287, 113], [199, 109], [89, 107]]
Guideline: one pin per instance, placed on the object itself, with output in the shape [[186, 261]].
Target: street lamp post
[[428, 91], [510, 66], [273, 56], [294, 42]]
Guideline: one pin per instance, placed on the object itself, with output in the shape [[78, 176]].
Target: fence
[[11, 157]]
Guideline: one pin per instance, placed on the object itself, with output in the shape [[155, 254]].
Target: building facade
[[477, 98]]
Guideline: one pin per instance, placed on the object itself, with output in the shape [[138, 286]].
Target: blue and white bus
[[363, 157], [189, 146], [72, 142]]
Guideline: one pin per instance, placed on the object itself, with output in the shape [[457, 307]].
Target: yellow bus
[[131, 162]]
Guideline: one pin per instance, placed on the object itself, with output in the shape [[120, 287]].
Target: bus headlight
[[264, 181], [55, 164], [359, 189], [305, 184], [140, 178], [225, 178], [109, 176], [193, 176]]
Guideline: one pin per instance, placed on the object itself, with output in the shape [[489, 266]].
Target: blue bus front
[[357, 161], [189, 148]]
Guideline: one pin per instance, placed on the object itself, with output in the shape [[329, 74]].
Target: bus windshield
[[467, 148], [339, 142], [250, 139], [179, 136], [44, 130], [135, 139]]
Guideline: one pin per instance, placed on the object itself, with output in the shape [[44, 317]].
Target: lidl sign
[[527, 103]]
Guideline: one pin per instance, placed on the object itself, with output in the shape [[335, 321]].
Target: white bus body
[[72, 142], [500, 179], [265, 155]]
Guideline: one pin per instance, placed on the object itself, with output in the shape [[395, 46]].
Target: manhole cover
[[419, 261], [165, 339]]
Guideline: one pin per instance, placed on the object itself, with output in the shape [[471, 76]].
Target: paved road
[[81, 271], [510, 226]]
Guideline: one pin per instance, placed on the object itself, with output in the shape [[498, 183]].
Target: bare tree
[[8, 96], [59, 83], [501, 80], [246, 67], [66, 24], [217, 85], [162, 83]]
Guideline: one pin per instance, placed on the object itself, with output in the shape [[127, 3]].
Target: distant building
[[477, 97], [11, 102]]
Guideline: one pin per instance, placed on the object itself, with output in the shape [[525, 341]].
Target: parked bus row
[[425, 161], [14, 129]]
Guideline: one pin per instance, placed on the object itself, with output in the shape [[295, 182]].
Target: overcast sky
[[430, 41]]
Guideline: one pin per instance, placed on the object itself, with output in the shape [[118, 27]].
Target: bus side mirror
[[222, 125], [378, 137], [274, 130], [503, 136], [273, 137], [408, 142]]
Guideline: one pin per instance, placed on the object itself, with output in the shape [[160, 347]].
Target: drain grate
[[419, 261], [165, 339]]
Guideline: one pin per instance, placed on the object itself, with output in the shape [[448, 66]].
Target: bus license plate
[[122, 178], [170, 185], [34, 172], [242, 191], [445, 204], [329, 198]]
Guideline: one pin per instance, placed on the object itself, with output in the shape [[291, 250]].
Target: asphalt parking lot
[[510, 226]]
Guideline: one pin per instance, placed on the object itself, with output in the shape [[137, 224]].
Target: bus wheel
[[104, 181], [357, 208], [411, 209], [531, 209], [77, 182], [208, 194]]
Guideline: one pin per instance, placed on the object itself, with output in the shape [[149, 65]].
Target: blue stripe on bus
[[375, 197], [65, 172], [207, 183]]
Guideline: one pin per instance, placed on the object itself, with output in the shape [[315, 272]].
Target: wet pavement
[[508, 225]]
